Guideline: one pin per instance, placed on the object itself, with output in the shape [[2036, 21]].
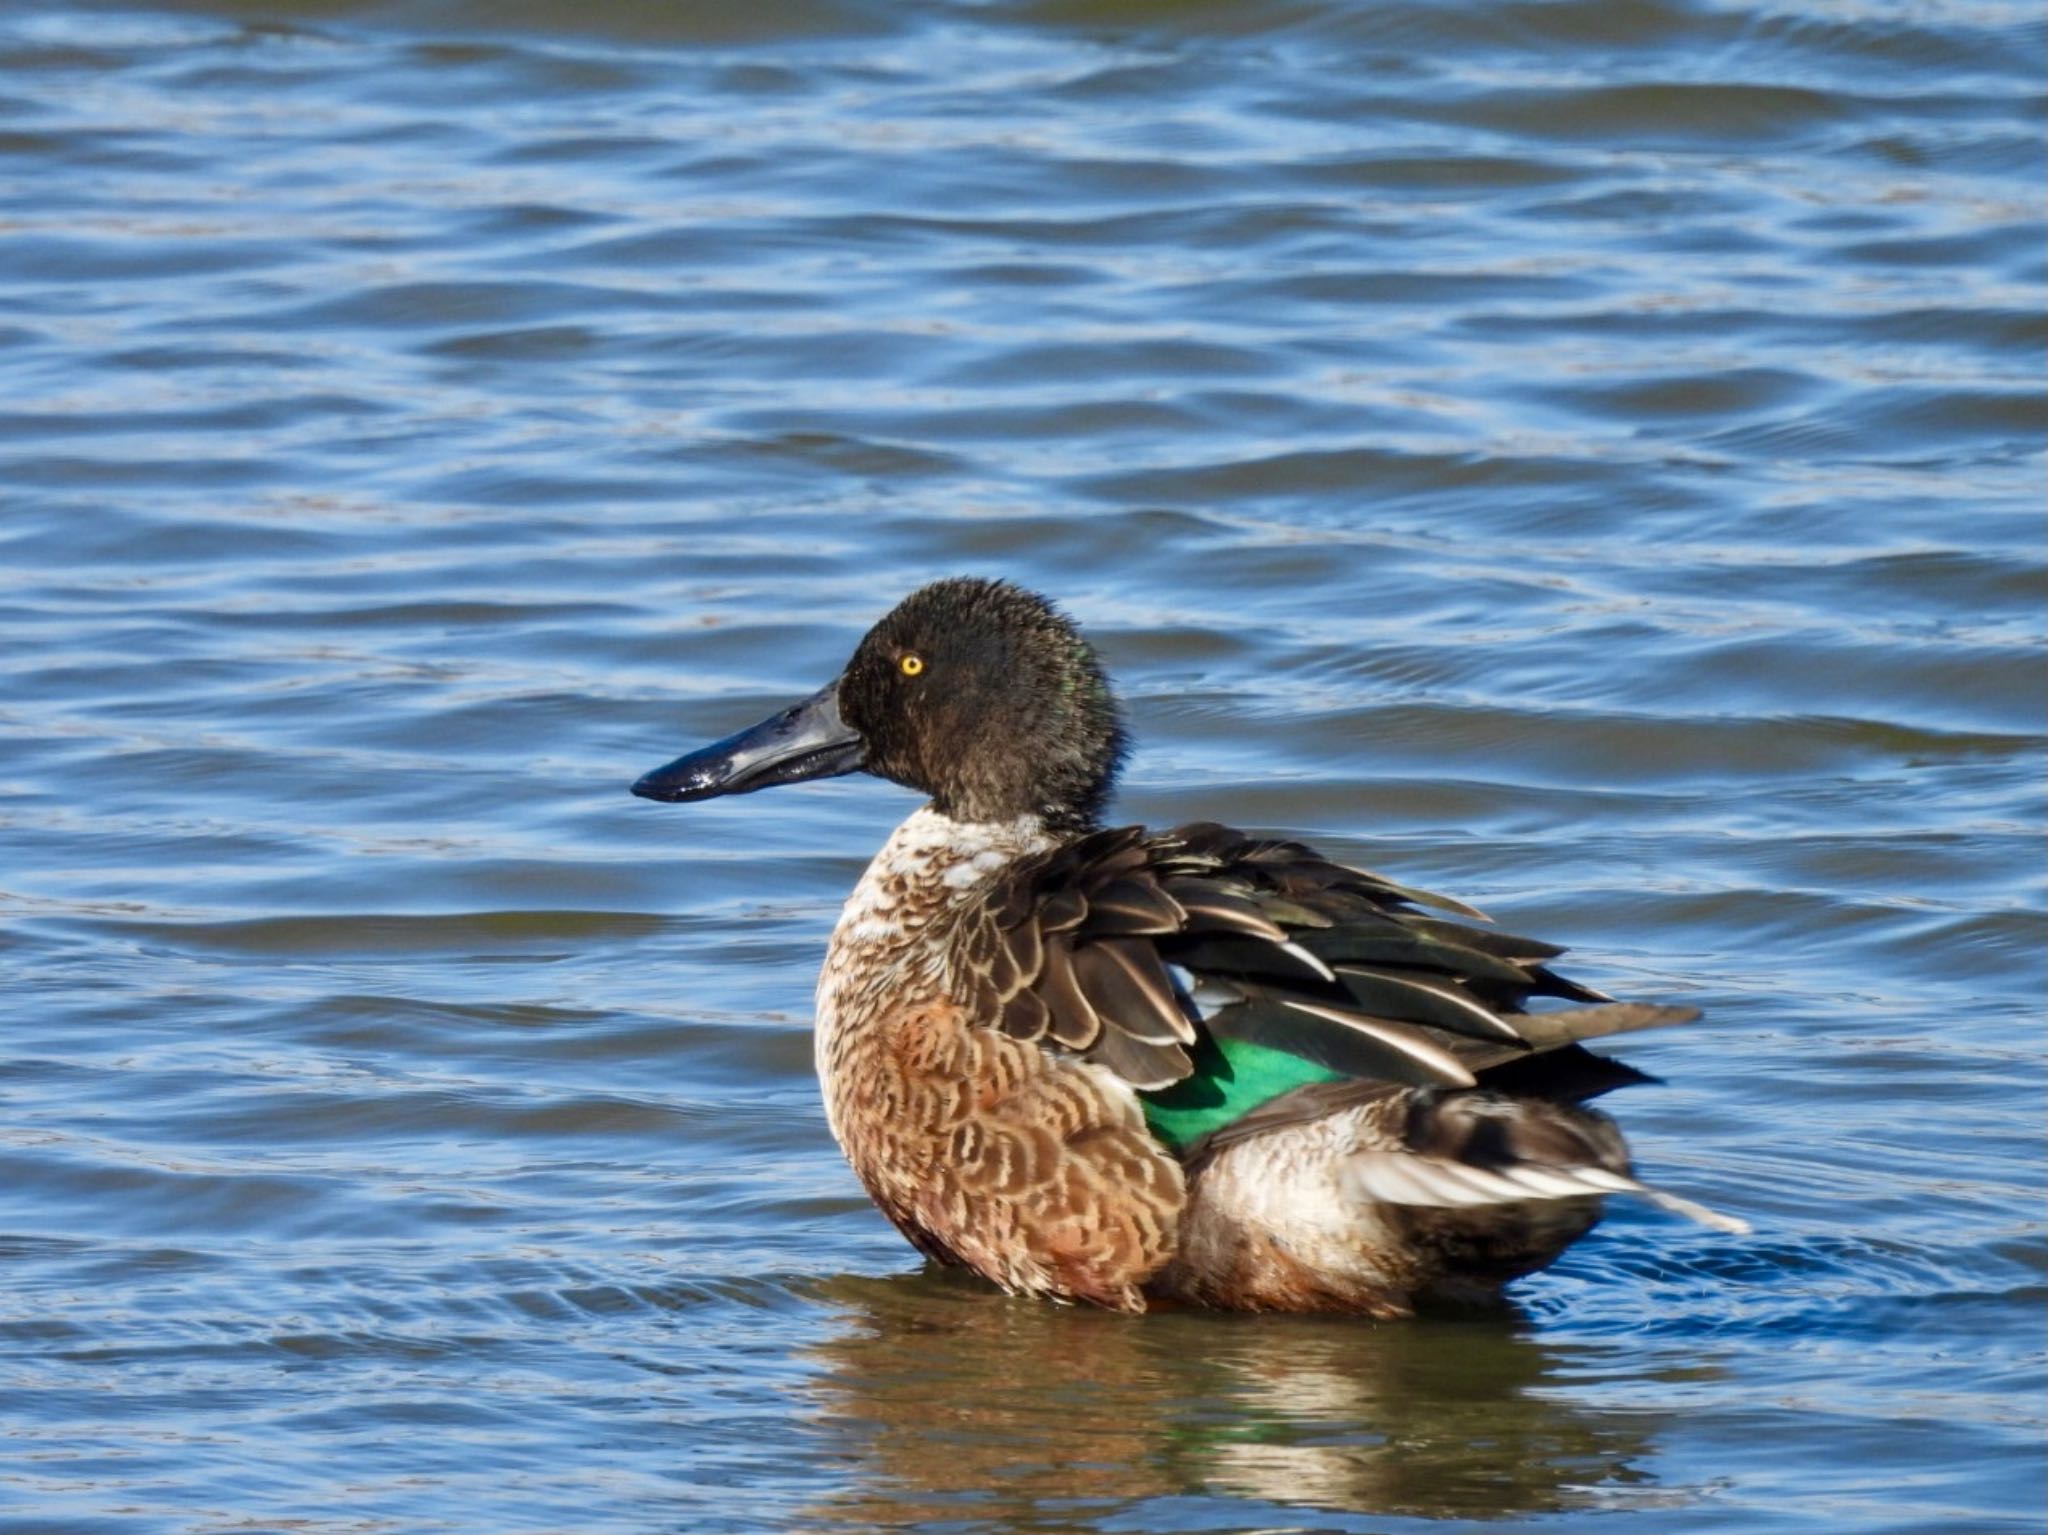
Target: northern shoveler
[[1118, 1066]]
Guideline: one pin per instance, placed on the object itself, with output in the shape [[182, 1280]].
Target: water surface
[[1582, 456]]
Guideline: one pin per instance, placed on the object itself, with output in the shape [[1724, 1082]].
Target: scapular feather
[[1550, 984], [1377, 1049], [1004, 974], [1155, 988], [1074, 1023], [1114, 979], [1380, 885], [1061, 909], [1025, 945], [1025, 1016], [1390, 943], [1210, 908], [1136, 907], [1228, 954], [1421, 1001], [1547, 1031], [1486, 940], [1146, 1065]]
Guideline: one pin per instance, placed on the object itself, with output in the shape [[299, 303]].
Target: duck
[[1194, 1067]]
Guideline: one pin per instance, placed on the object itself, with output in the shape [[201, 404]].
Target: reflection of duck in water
[[1112, 1066], [957, 1405]]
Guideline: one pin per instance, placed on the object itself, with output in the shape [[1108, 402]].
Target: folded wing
[[1157, 955]]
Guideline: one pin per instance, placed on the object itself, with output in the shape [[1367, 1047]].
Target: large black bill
[[806, 740]]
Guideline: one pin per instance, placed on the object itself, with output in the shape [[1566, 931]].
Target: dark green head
[[977, 692]]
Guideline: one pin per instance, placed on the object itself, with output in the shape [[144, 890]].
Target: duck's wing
[[1202, 952]]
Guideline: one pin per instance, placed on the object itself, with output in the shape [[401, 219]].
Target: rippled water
[[1584, 456]]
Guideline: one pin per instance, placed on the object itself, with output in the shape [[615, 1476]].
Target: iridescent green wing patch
[[1231, 1078]]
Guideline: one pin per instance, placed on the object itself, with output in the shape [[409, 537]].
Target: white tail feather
[[1403, 1178], [1691, 1210]]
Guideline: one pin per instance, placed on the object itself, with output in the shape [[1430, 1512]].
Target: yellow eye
[[911, 665]]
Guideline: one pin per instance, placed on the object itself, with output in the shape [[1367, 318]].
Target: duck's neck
[[929, 865]]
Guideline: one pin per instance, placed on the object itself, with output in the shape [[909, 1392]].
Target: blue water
[[1582, 456]]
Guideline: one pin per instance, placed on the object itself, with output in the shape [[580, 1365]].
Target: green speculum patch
[[1231, 1078]]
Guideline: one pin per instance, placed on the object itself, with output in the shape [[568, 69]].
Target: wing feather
[[1074, 1021], [1126, 949]]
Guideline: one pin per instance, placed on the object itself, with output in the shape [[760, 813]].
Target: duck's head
[[979, 693]]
